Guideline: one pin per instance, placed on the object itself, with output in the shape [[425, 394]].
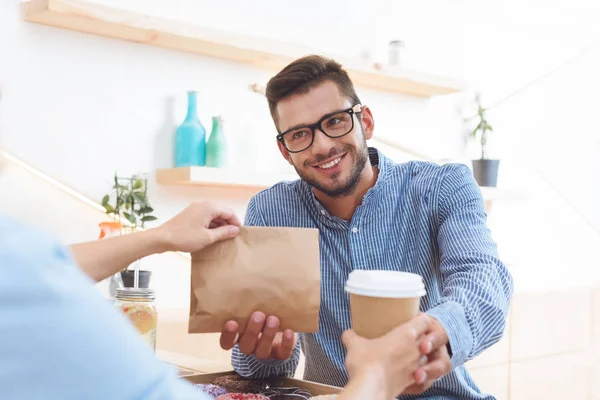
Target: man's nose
[[321, 142]]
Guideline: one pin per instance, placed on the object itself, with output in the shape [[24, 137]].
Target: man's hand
[[262, 338], [198, 226], [391, 359], [434, 345]]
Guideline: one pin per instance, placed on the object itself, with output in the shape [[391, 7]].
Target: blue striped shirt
[[418, 217]]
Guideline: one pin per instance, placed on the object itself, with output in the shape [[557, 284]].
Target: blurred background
[[81, 101]]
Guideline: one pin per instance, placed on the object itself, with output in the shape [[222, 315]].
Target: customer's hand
[[198, 226], [392, 359], [262, 338], [434, 345]]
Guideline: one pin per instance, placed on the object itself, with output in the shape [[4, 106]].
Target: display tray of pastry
[[212, 390], [242, 396], [287, 393], [234, 383]]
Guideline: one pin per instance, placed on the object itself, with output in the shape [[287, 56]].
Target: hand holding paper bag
[[261, 338], [271, 270]]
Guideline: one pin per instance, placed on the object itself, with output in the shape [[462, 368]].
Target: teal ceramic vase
[[217, 148], [190, 137]]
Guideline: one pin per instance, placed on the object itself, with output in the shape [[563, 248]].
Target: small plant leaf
[[140, 198], [146, 210], [130, 218], [109, 209], [138, 184], [105, 200], [149, 218]]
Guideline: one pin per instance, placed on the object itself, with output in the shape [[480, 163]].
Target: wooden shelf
[[220, 177], [84, 16]]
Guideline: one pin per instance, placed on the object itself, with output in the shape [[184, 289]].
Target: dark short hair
[[304, 74]]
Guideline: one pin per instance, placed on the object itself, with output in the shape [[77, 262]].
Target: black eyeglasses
[[333, 125]]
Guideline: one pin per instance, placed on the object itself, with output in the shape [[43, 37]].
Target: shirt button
[[354, 229], [323, 212]]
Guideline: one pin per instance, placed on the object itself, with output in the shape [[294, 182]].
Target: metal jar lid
[[133, 293]]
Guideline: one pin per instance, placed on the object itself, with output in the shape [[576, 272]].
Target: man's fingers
[[249, 338], [286, 347], [439, 364], [420, 376], [263, 350], [229, 335]]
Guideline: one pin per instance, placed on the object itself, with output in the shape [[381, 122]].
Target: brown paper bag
[[268, 269]]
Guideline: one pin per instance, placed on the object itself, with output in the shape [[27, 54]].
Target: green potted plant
[[485, 170], [129, 210]]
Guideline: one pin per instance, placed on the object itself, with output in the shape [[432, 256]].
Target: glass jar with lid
[[138, 305]]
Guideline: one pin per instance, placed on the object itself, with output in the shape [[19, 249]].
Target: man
[[373, 214]]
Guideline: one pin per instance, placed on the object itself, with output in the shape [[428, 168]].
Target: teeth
[[330, 164]]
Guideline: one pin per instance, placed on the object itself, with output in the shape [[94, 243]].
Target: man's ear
[[368, 123], [284, 152]]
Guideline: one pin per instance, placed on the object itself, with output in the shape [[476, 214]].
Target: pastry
[[242, 396], [286, 393], [236, 384], [211, 390]]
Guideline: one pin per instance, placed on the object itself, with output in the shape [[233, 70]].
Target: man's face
[[331, 165]]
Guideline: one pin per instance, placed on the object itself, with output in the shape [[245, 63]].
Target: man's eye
[[334, 121], [299, 135]]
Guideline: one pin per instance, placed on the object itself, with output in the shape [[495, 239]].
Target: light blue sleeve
[[60, 339], [476, 285]]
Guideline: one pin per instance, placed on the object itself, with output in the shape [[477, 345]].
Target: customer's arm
[[199, 225], [60, 339], [382, 368]]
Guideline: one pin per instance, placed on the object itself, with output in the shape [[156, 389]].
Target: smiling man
[[373, 213]]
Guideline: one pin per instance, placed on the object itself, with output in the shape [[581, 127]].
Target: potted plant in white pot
[[129, 211], [485, 170]]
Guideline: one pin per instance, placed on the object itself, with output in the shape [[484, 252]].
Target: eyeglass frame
[[354, 110]]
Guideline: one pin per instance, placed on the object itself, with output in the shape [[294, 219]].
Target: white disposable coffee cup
[[383, 300]]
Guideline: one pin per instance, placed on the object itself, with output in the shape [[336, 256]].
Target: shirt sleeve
[[248, 365], [476, 286], [60, 339]]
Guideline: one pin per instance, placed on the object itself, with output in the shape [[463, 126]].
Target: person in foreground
[[60, 339], [373, 213]]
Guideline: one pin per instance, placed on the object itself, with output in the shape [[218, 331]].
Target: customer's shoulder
[[13, 231], [22, 241]]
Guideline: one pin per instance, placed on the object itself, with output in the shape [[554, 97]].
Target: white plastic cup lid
[[394, 284]]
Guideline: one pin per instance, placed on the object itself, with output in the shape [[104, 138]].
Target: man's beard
[[349, 186]]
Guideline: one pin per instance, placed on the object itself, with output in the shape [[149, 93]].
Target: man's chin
[[336, 185], [339, 189]]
